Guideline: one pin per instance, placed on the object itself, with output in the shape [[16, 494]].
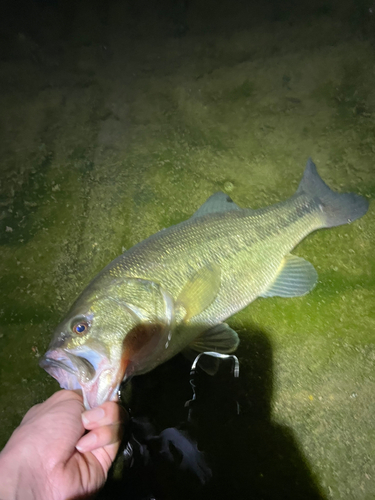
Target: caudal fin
[[337, 208]]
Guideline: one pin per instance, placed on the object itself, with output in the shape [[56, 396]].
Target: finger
[[55, 404], [105, 456], [108, 413], [100, 437], [65, 395]]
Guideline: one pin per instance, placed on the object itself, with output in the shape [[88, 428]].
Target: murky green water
[[108, 136]]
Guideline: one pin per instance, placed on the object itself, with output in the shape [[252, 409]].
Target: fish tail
[[337, 208]]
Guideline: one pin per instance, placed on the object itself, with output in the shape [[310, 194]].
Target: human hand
[[47, 456]]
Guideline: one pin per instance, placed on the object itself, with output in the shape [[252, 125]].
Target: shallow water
[[114, 127]]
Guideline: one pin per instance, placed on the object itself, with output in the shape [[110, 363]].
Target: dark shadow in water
[[250, 456]]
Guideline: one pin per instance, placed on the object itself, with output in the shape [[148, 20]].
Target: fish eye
[[80, 328]]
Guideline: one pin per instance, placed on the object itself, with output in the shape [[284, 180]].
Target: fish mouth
[[96, 376]]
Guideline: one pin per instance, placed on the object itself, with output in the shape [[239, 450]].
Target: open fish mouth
[[70, 370], [98, 383]]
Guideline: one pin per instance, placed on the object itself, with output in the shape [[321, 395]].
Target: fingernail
[[93, 415], [87, 442]]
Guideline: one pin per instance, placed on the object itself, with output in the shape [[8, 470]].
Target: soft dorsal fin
[[296, 277], [217, 203]]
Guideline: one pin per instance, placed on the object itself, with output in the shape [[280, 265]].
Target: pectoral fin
[[296, 277], [200, 291]]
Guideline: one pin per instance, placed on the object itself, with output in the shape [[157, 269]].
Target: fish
[[172, 292]]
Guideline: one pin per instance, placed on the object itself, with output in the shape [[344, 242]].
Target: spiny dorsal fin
[[217, 203]]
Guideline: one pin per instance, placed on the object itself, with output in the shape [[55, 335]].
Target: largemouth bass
[[172, 292]]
